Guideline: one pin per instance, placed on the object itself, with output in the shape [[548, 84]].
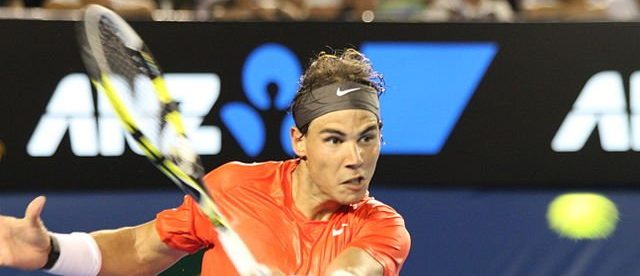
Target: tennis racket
[[121, 66]]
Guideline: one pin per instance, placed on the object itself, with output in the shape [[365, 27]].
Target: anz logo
[[95, 130], [603, 106], [428, 87], [268, 65]]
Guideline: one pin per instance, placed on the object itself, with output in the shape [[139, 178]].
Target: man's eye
[[367, 138], [333, 140]]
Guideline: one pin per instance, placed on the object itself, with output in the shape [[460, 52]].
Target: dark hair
[[341, 66]]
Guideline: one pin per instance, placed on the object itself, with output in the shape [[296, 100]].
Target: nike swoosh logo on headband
[[341, 92]]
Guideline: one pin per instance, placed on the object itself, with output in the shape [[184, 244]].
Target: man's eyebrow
[[333, 131], [370, 128], [338, 132]]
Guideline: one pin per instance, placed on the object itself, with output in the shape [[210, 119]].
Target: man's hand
[[25, 242]]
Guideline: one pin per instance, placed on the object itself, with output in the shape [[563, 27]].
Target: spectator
[[127, 8], [469, 10], [622, 10], [250, 10], [564, 10], [348, 10], [400, 10]]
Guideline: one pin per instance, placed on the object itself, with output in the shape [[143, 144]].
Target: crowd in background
[[361, 10]]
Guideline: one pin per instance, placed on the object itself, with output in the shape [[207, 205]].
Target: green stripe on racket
[[122, 68]]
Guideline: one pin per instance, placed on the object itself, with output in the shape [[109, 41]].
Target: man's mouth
[[355, 182]]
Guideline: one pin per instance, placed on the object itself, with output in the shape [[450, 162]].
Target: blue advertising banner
[[466, 104]]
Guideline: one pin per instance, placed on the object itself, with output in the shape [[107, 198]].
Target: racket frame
[[99, 72]]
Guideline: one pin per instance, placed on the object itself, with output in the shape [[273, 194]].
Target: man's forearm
[[134, 250]]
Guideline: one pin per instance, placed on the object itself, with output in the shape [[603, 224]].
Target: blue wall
[[454, 231]]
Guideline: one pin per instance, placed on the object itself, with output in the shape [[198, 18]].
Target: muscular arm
[[134, 250], [354, 261], [138, 250]]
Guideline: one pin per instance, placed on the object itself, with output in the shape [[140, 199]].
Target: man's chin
[[353, 199]]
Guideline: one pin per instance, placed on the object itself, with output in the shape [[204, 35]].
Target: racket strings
[[130, 73], [120, 62]]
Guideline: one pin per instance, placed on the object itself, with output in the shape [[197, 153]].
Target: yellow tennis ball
[[582, 216]]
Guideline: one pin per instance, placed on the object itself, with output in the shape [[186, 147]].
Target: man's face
[[342, 149]]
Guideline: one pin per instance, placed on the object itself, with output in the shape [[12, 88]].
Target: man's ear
[[298, 142]]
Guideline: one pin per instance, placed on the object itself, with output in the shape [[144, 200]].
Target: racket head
[[123, 69]]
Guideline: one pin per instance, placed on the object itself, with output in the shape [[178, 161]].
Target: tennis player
[[311, 215]]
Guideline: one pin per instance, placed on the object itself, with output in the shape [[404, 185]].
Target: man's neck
[[307, 198]]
